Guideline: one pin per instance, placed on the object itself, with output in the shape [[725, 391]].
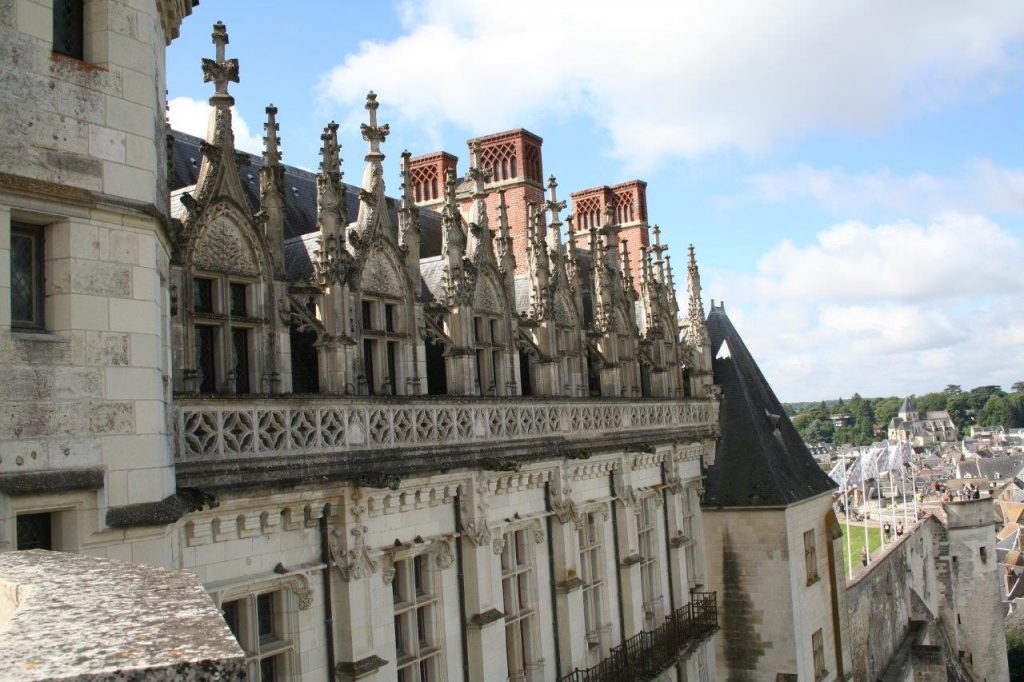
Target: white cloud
[[955, 256], [682, 78], [888, 309], [192, 116], [979, 186]]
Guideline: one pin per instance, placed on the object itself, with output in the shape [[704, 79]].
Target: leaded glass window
[[206, 365], [415, 620], [26, 278], [259, 625], [517, 584], [203, 296], [239, 307], [69, 27], [224, 331], [240, 349]]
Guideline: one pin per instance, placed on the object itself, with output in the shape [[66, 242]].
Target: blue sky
[[849, 172]]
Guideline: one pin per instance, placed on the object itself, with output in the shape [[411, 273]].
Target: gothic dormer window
[[224, 324]]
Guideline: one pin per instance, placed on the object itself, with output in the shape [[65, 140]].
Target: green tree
[[980, 395], [952, 389], [995, 412], [1018, 387], [819, 431], [930, 402], [885, 409], [957, 405], [1015, 654]]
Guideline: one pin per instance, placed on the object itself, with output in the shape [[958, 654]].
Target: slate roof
[[300, 193], [761, 460]]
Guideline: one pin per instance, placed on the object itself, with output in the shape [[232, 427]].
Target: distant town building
[[921, 428], [841, 420]]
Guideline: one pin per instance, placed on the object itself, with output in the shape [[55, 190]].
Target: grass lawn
[[856, 532]]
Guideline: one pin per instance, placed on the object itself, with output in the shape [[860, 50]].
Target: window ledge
[[813, 579], [33, 335]]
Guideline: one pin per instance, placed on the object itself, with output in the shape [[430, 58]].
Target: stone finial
[[271, 142], [220, 70], [670, 279], [449, 188], [373, 133], [696, 307], [330, 152], [553, 205], [406, 172], [477, 173]]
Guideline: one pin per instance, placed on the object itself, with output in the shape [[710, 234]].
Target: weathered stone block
[[99, 348], [132, 383], [141, 317], [146, 351], [86, 312], [35, 20], [26, 382], [124, 452], [129, 116], [107, 144], [81, 103], [110, 417], [103, 279], [141, 153], [132, 183], [75, 383]]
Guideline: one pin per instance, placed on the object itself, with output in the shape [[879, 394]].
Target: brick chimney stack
[[514, 160], [426, 174], [629, 199]]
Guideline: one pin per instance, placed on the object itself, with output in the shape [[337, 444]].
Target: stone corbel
[[355, 562], [444, 556], [300, 584], [477, 532], [353, 670], [487, 617], [566, 511]]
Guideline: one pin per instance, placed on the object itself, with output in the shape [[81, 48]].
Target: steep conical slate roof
[[761, 460], [907, 407]]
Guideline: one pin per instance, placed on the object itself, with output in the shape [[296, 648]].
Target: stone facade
[[355, 530], [455, 434]]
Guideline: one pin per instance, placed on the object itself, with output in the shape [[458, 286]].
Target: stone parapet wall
[[899, 586], [224, 429]]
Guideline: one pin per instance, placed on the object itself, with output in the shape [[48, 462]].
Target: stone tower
[[84, 224], [972, 590]]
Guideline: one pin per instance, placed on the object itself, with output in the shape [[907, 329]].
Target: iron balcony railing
[[647, 654]]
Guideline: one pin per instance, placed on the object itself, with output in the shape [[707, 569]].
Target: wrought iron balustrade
[[242, 428], [648, 653]]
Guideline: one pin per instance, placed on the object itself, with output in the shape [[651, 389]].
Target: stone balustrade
[[233, 428]]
